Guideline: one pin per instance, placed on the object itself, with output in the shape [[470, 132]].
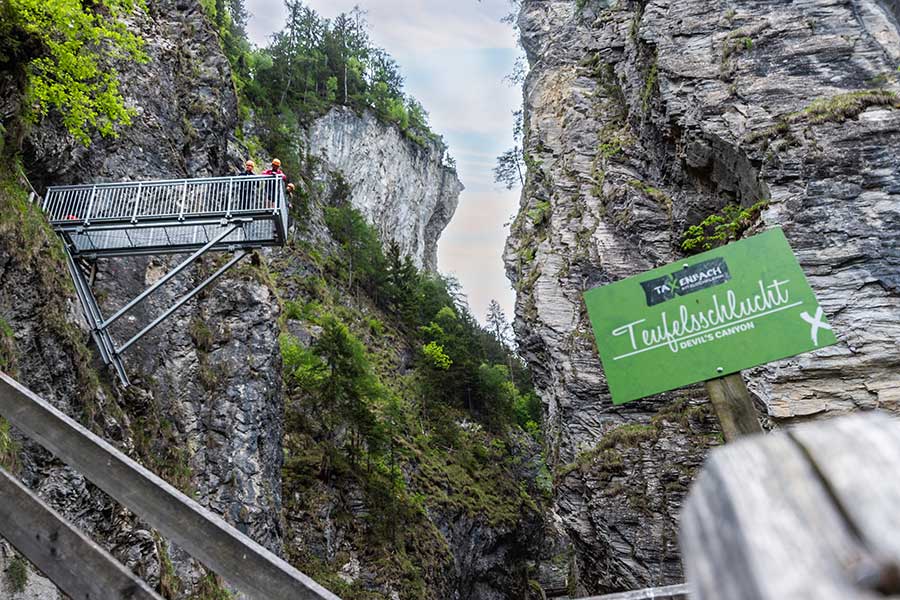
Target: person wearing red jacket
[[275, 169]]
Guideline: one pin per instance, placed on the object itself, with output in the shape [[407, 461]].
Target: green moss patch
[[720, 228], [837, 109]]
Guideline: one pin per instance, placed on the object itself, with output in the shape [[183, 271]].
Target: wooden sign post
[[733, 405], [706, 318]]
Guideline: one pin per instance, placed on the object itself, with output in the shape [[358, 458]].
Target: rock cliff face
[[185, 110], [206, 408], [643, 118], [404, 188]]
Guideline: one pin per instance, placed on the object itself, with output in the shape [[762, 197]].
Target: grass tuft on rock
[[838, 109], [833, 109], [17, 575]]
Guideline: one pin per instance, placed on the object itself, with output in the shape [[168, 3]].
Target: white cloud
[[405, 26], [472, 248]]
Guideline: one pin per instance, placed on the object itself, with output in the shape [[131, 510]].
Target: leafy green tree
[[497, 324], [497, 395], [361, 246], [418, 116], [528, 413], [302, 366], [435, 357], [331, 88], [402, 282], [65, 49]]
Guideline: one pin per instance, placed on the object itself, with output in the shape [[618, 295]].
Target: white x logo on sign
[[816, 322]]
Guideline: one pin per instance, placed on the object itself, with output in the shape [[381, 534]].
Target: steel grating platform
[[109, 220]]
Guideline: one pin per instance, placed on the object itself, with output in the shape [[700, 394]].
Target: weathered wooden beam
[[239, 560], [733, 405], [70, 559], [809, 513], [669, 592]]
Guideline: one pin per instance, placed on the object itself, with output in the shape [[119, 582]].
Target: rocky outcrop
[[643, 118], [402, 186]]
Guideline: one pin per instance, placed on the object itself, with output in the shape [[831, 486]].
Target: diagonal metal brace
[[237, 257], [110, 353], [92, 314], [163, 280]]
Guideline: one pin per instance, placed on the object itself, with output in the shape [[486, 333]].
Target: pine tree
[[510, 165], [498, 324]]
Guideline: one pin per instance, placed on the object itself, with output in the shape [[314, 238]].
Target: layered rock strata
[[643, 118]]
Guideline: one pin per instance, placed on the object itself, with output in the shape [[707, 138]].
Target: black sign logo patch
[[697, 277]]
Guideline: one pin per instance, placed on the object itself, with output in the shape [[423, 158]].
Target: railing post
[[137, 204], [183, 200], [87, 217], [228, 205]]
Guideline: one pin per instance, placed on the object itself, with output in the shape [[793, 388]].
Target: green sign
[[709, 315]]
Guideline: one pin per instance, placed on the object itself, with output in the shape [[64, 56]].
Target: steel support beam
[[94, 317], [181, 302], [165, 278], [100, 328], [134, 219]]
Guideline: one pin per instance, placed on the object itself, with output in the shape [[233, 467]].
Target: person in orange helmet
[[275, 169]]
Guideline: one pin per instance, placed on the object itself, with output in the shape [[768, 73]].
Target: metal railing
[[671, 592], [155, 217], [148, 201], [178, 216]]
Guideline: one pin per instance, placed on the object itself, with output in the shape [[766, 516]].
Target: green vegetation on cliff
[[310, 66], [61, 50], [720, 228], [402, 412]]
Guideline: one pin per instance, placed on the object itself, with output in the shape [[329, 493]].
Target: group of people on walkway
[[275, 169]]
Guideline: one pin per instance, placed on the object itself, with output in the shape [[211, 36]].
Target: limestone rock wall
[[642, 118], [402, 187]]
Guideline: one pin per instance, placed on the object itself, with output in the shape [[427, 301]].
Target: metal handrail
[[163, 181], [670, 592], [176, 199]]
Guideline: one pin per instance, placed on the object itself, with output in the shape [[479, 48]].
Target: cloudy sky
[[454, 56]]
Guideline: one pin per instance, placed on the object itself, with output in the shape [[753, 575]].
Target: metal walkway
[[109, 220]]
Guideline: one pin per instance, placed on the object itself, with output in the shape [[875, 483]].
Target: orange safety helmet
[[276, 162]]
